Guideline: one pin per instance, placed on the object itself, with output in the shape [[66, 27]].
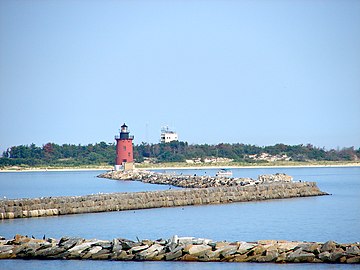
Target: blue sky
[[254, 72]]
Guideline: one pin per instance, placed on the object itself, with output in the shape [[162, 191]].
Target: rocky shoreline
[[193, 181], [179, 249]]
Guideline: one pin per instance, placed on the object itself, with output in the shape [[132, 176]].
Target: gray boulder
[[300, 256], [328, 246], [353, 250], [150, 253], [116, 245], [69, 242], [49, 252], [324, 256], [269, 256], [173, 255], [6, 252]]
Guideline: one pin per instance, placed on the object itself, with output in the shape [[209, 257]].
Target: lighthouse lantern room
[[124, 150]]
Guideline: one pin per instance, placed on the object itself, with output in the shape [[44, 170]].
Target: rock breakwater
[[194, 181], [49, 206], [179, 249]]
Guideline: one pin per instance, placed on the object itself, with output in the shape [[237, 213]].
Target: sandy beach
[[15, 169], [55, 169], [249, 167]]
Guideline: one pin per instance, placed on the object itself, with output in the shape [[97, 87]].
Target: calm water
[[335, 217], [66, 183]]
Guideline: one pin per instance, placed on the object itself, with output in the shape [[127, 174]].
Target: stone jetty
[[179, 249], [198, 190], [194, 181], [49, 206]]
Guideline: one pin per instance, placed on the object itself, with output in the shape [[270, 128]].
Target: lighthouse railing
[[130, 137]]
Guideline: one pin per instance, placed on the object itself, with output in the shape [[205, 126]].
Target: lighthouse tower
[[124, 150]]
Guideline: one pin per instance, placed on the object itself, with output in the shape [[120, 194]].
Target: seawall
[[49, 206], [179, 249]]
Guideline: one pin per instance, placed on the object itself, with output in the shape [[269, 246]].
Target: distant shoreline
[[190, 167], [55, 169], [250, 167]]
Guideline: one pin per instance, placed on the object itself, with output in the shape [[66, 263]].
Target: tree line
[[103, 153]]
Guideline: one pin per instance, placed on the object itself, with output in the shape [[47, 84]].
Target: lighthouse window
[[129, 154], [124, 148]]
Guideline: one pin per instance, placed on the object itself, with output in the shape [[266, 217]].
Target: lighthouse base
[[125, 166], [118, 167]]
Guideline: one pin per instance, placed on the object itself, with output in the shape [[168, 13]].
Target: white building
[[168, 135]]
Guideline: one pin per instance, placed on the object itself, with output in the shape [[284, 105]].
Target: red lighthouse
[[124, 150]]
